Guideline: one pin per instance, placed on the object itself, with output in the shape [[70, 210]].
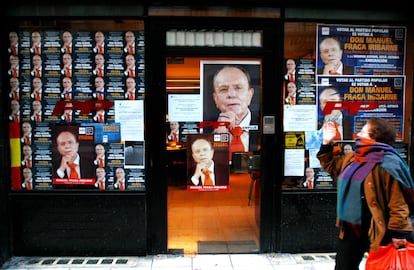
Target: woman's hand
[[329, 133], [399, 243]]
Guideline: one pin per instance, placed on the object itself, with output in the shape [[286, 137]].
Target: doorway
[[203, 222]]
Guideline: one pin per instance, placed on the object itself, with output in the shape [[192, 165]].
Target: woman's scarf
[[368, 153]]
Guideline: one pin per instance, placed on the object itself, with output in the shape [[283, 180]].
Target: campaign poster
[[245, 78], [208, 162], [360, 50], [73, 155], [349, 101]]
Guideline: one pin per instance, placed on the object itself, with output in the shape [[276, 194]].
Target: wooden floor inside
[[196, 218]]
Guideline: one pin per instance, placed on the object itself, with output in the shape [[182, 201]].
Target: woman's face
[[364, 133]]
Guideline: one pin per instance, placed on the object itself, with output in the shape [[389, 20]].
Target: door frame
[[271, 144]]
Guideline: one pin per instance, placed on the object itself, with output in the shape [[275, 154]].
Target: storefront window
[[77, 105], [341, 75]]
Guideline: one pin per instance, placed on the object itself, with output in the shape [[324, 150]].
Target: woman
[[374, 184]]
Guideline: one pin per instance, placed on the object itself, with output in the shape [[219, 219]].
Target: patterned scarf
[[368, 153]]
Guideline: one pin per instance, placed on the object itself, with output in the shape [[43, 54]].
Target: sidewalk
[[268, 261]]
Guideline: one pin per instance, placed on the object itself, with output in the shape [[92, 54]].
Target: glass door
[[213, 105]]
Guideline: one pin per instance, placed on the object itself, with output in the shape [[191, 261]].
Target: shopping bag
[[407, 256], [390, 258]]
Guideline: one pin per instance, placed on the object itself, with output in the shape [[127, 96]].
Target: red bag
[[390, 258]]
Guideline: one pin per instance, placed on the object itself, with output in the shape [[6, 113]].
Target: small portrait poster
[[208, 162]]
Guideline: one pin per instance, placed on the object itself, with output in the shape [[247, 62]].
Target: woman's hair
[[381, 131]]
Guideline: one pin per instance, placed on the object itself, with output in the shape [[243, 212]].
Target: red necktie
[[37, 50], [28, 163], [207, 180], [37, 117], [15, 95], [292, 100], [101, 118], [14, 48], [131, 73], [100, 72], [28, 140], [68, 96], [236, 142], [101, 185], [101, 163], [291, 77], [100, 97], [16, 118], [29, 185], [310, 185], [68, 118], [131, 97], [15, 74], [73, 173], [67, 72], [175, 137], [121, 185], [100, 49], [131, 49]]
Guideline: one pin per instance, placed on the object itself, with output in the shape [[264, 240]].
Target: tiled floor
[[211, 216], [271, 261]]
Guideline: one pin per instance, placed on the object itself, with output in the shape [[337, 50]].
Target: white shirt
[[203, 177]]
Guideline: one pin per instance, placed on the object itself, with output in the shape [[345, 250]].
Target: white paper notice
[[300, 118], [130, 114], [294, 165], [185, 108]]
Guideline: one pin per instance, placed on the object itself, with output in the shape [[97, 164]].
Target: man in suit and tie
[[71, 164], [330, 52], [206, 172], [100, 155], [129, 43], [120, 179], [15, 111], [131, 90], [14, 88], [99, 116], [37, 89], [67, 42], [99, 65], [99, 43], [100, 178], [14, 70], [14, 43], [290, 75], [291, 93], [36, 43], [27, 179], [36, 111], [27, 156], [37, 66], [308, 181], [67, 65], [67, 92], [232, 96], [174, 135], [99, 92], [67, 115], [130, 66], [26, 133]]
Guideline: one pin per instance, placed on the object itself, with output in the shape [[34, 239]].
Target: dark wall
[[79, 224], [308, 221]]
